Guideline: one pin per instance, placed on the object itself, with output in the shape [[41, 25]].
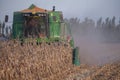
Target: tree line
[[106, 29]]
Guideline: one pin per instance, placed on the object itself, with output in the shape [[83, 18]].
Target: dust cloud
[[98, 45]]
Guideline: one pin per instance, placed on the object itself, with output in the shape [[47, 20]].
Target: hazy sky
[[71, 8]]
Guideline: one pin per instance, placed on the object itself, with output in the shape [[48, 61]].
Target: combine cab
[[43, 26]]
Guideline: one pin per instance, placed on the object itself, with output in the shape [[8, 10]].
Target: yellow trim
[[33, 12]]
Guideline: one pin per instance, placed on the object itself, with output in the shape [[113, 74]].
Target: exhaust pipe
[[53, 8], [6, 18]]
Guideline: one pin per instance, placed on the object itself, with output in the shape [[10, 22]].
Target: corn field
[[33, 62], [52, 61]]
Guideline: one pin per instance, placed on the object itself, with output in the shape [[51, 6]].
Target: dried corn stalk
[[33, 62]]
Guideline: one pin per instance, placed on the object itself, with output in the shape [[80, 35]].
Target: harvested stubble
[[34, 62], [109, 71]]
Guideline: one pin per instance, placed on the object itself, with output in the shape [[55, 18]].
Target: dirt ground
[[94, 51]]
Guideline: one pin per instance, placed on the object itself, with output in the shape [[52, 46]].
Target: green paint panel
[[54, 29], [18, 17], [54, 24], [18, 21], [17, 30], [55, 16], [76, 59]]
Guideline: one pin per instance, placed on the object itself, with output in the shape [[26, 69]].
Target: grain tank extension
[[43, 26]]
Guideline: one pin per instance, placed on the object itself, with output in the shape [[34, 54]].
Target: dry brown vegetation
[[48, 62], [107, 72], [33, 62]]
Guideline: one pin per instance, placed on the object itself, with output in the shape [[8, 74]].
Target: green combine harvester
[[43, 26]]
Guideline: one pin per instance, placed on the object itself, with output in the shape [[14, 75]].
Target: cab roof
[[34, 9]]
